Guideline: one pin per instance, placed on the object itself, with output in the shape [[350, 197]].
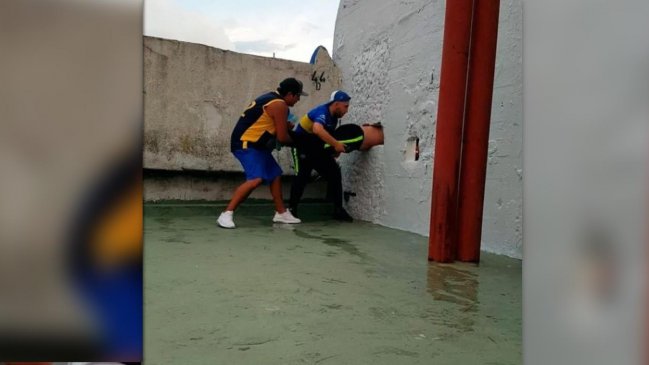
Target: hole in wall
[[347, 195], [412, 149]]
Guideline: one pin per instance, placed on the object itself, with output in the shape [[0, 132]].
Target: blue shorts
[[258, 164]]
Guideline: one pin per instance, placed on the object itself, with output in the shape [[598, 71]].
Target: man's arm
[[322, 133], [279, 112]]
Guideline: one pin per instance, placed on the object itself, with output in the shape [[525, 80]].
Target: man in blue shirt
[[310, 135]]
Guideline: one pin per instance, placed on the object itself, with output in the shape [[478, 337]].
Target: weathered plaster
[[392, 69]]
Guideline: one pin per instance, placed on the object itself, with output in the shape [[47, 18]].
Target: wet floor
[[321, 292]]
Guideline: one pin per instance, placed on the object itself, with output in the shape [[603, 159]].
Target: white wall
[[391, 67]]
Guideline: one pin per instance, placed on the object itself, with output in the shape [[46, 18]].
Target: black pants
[[310, 154]]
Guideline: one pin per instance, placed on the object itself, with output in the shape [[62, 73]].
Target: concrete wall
[[193, 96], [392, 70], [170, 185]]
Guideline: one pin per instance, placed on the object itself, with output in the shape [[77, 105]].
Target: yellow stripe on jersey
[[307, 124], [118, 236], [347, 141], [264, 124]]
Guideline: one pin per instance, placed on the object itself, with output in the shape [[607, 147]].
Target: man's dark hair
[[290, 85]]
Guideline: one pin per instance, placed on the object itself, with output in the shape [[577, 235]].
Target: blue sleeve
[[317, 115]]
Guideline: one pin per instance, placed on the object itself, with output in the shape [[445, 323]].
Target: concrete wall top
[[194, 94]]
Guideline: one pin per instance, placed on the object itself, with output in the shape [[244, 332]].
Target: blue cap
[[339, 95]]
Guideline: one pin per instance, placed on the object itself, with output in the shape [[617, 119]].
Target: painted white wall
[[392, 70]]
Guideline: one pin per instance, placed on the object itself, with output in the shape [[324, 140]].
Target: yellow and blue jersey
[[320, 115], [106, 260], [255, 128]]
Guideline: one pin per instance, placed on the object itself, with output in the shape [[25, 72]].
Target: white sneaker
[[225, 220], [285, 217]]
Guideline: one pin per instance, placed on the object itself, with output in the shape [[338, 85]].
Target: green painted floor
[[321, 292]]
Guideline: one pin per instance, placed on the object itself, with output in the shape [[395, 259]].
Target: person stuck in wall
[[311, 135], [254, 137]]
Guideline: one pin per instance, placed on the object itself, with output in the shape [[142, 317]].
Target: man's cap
[[292, 85], [339, 95]]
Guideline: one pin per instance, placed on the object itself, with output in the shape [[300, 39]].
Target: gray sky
[[292, 29]]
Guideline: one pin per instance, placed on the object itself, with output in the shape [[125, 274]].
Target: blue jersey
[[320, 115]]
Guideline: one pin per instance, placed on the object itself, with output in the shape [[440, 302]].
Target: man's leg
[[327, 167], [276, 193], [281, 215], [241, 193], [299, 183]]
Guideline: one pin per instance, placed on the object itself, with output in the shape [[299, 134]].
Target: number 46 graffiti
[[318, 80]]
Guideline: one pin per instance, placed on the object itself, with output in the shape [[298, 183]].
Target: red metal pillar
[[476, 128], [448, 135]]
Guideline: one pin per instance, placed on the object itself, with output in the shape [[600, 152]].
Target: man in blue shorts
[[253, 138]]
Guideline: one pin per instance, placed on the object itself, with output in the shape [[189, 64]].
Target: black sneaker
[[341, 214]]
